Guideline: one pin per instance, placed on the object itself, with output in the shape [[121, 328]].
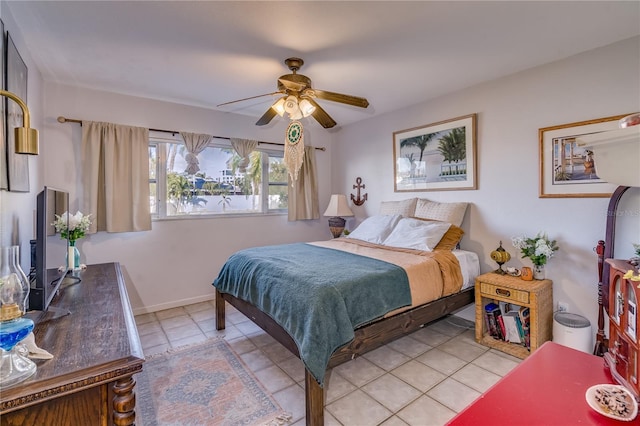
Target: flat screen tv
[[49, 251]]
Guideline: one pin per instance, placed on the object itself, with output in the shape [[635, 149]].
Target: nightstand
[[536, 295]]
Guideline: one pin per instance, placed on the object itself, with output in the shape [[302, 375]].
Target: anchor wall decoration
[[357, 200]]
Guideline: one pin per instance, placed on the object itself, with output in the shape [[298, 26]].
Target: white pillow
[[444, 212], [416, 234], [406, 208], [375, 229]]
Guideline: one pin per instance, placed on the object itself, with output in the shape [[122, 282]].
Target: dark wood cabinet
[[91, 332], [623, 356]]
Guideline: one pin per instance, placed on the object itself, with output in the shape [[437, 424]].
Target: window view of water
[[220, 186]]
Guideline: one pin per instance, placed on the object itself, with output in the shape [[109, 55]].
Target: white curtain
[[115, 166], [303, 197], [194, 143], [243, 147]]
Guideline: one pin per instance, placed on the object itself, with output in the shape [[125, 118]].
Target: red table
[[548, 388]]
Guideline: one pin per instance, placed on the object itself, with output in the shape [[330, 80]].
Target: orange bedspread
[[432, 275]]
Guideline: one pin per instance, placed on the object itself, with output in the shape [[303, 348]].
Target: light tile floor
[[422, 379]]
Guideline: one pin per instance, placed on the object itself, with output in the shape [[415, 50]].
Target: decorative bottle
[[14, 327]]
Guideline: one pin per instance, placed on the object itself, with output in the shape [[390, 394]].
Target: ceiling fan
[[299, 98]]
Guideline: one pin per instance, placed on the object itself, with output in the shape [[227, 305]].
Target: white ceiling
[[394, 53]]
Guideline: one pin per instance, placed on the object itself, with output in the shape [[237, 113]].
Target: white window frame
[[160, 180]]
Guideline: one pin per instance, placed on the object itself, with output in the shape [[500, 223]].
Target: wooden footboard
[[367, 338]]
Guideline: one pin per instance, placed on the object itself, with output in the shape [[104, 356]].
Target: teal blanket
[[318, 295]]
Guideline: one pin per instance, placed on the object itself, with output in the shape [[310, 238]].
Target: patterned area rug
[[204, 384]]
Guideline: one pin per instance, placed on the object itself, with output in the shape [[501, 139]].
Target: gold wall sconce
[[357, 200], [25, 136]]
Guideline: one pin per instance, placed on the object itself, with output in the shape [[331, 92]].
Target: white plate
[[620, 393], [515, 273]]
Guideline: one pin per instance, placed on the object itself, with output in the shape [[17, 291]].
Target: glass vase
[[538, 272], [15, 284], [73, 256]]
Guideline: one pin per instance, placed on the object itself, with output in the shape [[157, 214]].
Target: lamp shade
[[291, 105], [279, 107], [338, 206], [306, 108]]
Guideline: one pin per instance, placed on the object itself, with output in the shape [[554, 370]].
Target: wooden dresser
[[96, 351], [623, 356]]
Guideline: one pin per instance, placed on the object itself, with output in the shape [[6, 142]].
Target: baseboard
[[173, 304]]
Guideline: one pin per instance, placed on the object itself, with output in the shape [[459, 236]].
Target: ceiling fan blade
[[251, 97], [338, 97], [266, 117], [321, 115]]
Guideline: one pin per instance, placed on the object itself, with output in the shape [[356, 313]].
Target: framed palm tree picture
[[436, 157]]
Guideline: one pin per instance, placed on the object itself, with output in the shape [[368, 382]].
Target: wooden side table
[[537, 295]]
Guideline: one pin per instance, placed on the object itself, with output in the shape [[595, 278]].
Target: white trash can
[[572, 330]]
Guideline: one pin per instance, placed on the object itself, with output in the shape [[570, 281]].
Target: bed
[[309, 296]]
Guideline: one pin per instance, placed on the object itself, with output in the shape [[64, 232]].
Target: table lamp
[[337, 207]]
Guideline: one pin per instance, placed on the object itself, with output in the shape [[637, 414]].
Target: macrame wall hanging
[[294, 149]]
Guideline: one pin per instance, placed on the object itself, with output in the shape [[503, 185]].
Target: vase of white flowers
[[72, 228], [539, 249]]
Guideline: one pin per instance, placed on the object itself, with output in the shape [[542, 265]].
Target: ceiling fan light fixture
[[278, 107], [296, 115], [306, 108], [291, 104]]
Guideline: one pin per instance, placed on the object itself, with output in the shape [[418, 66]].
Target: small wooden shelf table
[[537, 295]]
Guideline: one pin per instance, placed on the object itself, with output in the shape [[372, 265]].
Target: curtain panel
[[115, 166], [303, 196], [243, 147], [195, 144]]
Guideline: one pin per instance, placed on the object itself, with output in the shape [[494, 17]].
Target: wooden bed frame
[[366, 338]]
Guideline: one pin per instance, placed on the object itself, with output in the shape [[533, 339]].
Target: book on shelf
[[501, 327], [493, 329], [525, 321], [508, 322], [511, 320]]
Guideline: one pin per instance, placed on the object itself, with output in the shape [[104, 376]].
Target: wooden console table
[[96, 351]]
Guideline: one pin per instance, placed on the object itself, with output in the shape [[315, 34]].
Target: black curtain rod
[[62, 119]]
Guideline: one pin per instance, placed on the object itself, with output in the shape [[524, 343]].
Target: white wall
[[176, 262], [599, 83], [17, 208]]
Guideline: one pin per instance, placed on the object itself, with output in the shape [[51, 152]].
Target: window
[[219, 188]]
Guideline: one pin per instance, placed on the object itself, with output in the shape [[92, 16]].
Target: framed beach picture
[[568, 170], [17, 164], [436, 157]]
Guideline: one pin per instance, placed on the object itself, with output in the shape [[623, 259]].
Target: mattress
[[470, 266]]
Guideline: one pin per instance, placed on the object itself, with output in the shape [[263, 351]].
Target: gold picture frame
[[16, 82], [437, 157], [567, 170], [4, 174]]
